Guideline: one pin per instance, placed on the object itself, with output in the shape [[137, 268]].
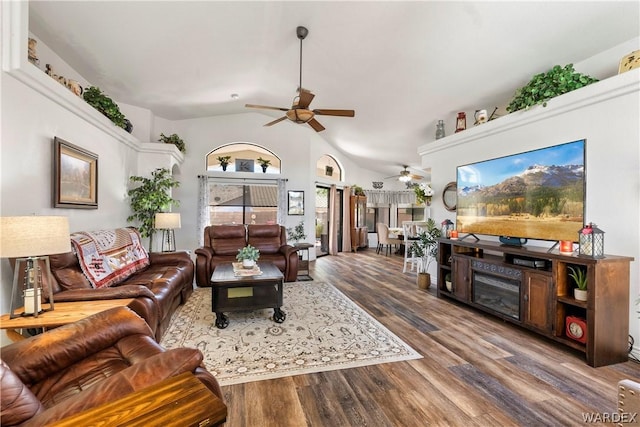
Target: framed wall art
[[75, 176], [296, 203]]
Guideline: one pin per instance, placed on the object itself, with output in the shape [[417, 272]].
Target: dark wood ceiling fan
[[299, 111], [405, 175]]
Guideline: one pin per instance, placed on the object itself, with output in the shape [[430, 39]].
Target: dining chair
[[409, 233], [383, 238]]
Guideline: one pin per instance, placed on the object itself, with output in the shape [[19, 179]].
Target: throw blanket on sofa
[[109, 256]]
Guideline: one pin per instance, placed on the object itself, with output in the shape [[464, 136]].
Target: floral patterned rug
[[324, 330]]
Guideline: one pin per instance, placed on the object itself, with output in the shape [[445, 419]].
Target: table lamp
[[167, 222], [30, 239]]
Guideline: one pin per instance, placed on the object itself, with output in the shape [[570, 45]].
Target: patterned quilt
[[109, 256]]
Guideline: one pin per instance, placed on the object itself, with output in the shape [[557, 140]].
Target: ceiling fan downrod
[[302, 34]]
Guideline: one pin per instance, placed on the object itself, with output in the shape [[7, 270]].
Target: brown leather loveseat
[[97, 360], [221, 244], [157, 288]]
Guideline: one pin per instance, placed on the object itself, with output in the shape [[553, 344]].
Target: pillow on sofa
[[109, 256]]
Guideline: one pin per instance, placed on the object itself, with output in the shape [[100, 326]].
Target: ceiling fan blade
[[316, 125], [327, 112], [416, 177], [265, 107], [276, 121], [305, 98]]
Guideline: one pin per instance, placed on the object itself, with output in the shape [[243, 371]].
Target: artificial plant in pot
[[151, 196], [579, 276], [264, 163], [248, 256], [175, 140], [426, 248], [544, 86], [224, 161]]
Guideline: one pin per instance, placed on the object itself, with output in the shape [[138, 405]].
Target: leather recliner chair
[[221, 244], [75, 367]]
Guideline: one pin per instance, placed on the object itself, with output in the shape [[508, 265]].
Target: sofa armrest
[[286, 250], [40, 356], [138, 376], [203, 265]]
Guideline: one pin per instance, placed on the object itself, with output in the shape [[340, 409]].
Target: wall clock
[[576, 329], [450, 197], [244, 165]]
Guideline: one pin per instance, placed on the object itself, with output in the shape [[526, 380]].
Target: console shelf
[[531, 287]]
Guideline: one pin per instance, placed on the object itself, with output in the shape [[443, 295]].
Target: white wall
[[607, 114]]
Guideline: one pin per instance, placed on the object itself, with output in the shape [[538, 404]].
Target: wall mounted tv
[[537, 194]]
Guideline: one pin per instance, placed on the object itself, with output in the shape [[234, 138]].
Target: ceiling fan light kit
[[299, 111]]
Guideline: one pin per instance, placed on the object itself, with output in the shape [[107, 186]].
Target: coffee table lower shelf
[[242, 293]]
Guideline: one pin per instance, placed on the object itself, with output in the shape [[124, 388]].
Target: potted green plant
[[579, 276], [357, 190], [101, 102], [224, 161], [175, 140], [426, 248], [447, 282], [248, 256], [544, 86], [149, 198], [264, 164], [296, 233]]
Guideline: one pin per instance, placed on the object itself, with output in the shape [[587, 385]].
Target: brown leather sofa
[[99, 359], [157, 290], [221, 244]]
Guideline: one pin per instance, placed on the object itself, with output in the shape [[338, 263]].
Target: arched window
[[328, 168], [243, 157]]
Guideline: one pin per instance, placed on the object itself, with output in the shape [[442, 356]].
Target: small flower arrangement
[[424, 193], [248, 252]]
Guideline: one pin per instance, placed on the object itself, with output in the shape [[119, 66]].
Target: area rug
[[324, 330]]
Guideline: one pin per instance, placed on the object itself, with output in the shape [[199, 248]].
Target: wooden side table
[[63, 313], [177, 401], [303, 265]]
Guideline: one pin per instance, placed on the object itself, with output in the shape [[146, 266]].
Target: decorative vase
[[424, 281], [224, 166], [264, 168], [449, 285], [248, 263], [440, 129], [580, 294]]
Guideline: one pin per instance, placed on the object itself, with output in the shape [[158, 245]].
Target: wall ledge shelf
[[15, 36], [595, 93]]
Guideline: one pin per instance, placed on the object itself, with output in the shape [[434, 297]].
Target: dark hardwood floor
[[476, 370]]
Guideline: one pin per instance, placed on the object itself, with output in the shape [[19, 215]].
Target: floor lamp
[[30, 239], [167, 222]]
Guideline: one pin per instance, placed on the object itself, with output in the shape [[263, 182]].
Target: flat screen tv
[[537, 194]]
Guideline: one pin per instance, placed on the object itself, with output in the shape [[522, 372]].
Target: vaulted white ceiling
[[400, 65]]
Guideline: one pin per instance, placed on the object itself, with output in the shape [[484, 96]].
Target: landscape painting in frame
[[75, 176], [538, 194]]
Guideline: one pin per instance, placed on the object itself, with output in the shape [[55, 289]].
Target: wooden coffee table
[[231, 292], [63, 313]]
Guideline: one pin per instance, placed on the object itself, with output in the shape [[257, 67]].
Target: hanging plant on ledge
[[544, 86], [175, 140], [101, 102]]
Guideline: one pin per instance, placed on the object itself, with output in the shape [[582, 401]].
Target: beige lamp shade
[[167, 221], [31, 236]]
